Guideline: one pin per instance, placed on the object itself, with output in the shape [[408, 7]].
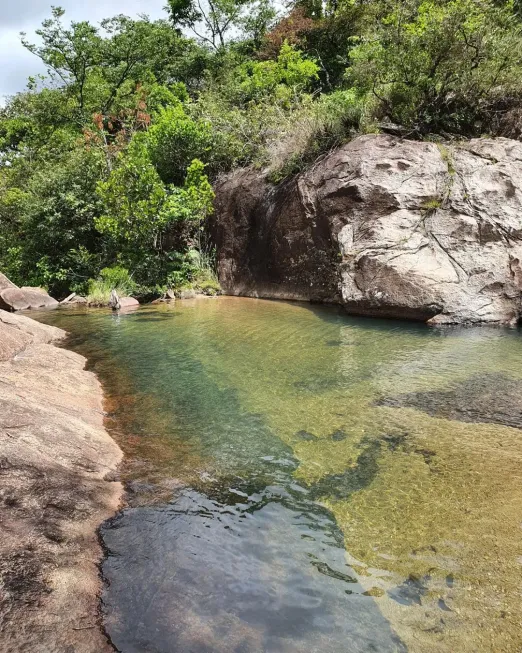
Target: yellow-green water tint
[[198, 386]]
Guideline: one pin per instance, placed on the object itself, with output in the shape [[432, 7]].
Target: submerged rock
[[306, 436], [339, 435], [486, 398], [385, 227], [265, 573], [411, 591]]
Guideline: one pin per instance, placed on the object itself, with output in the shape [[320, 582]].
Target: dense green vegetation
[[107, 162]]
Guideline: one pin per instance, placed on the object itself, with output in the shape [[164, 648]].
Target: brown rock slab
[[38, 299], [14, 299], [54, 460], [128, 302]]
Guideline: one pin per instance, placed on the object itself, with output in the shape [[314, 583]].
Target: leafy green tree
[[282, 79], [215, 21], [101, 68], [142, 214], [440, 66], [174, 140], [47, 222]]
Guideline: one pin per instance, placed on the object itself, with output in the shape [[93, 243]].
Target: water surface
[[300, 480]]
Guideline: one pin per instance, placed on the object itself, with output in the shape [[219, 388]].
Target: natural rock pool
[[304, 481]]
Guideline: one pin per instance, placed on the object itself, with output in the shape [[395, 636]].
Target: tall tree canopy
[[106, 163]]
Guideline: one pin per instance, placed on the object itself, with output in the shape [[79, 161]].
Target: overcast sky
[[16, 64]]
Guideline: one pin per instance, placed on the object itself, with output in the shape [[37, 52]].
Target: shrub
[[318, 126], [174, 140], [115, 278], [440, 66]]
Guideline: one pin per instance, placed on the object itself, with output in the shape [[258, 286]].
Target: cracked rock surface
[[55, 456], [385, 227]]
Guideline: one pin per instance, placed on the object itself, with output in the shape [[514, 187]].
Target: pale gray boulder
[[385, 227]]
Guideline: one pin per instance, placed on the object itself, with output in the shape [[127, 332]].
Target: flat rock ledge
[[56, 462], [385, 227]]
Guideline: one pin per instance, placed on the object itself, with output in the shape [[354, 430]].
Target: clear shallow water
[[304, 481]]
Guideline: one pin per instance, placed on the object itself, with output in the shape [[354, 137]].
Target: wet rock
[[411, 591], [53, 496], [13, 299], [483, 398], [127, 302], [385, 227]]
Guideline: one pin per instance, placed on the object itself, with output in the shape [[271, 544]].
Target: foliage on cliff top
[[108, 159]]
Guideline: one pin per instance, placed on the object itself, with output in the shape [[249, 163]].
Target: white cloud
[[16, 64]]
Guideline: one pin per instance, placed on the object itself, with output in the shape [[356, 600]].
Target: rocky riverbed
[[57, 465]]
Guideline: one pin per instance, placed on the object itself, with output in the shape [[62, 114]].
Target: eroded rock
[[55, 459], [385, 227]]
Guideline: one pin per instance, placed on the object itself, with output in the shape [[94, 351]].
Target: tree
[[141, 213], [213, 21], [101, 68], [440, 66]]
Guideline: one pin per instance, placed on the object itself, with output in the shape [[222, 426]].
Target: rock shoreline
[[57, 463]]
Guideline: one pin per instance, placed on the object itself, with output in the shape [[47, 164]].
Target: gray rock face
[[385, 227]]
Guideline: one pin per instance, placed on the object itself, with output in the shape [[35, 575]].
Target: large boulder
[[128, 302], [5, 282], [13, 298], [384, 226]]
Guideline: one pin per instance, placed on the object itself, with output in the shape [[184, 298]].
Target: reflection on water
[[263, 573], [304, 481]]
